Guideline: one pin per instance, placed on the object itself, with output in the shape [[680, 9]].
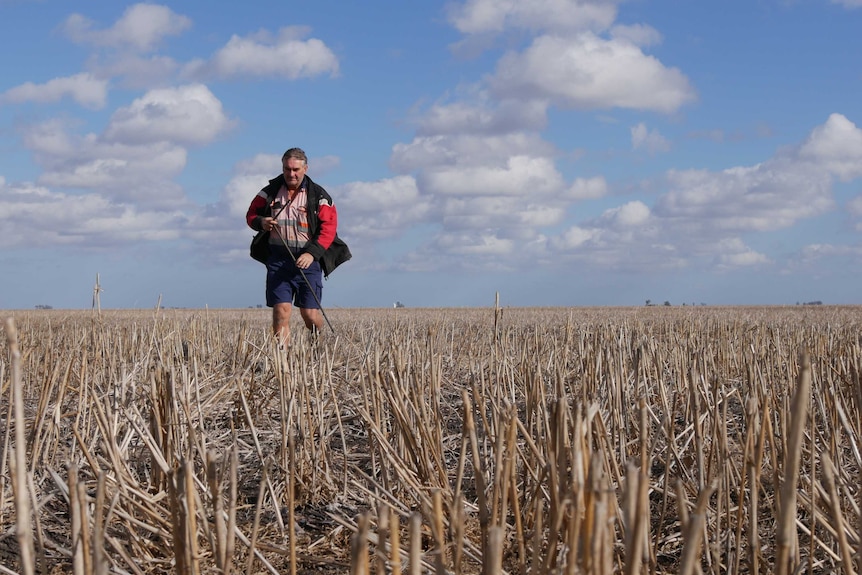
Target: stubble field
[[558, 440]]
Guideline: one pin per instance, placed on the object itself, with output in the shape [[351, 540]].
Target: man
[[301, 220]]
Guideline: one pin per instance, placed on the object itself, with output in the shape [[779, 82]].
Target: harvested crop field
[[541, 440]]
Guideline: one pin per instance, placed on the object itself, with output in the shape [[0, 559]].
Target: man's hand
[[304, 260]]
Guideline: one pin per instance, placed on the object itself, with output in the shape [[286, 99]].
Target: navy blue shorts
[[285, 284]]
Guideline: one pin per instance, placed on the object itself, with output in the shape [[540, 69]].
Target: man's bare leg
[[313, 319], [281, 323]]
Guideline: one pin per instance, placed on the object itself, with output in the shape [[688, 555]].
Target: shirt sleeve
[[328, 223], [255, 212]]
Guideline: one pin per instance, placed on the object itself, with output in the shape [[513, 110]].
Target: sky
[[554, 152]]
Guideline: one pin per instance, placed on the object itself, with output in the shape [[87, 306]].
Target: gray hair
[[297, 153]]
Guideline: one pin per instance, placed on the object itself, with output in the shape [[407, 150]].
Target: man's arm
[[328, 223], [257, 209]]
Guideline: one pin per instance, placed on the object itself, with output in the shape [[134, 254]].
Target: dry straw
[[500, 440]]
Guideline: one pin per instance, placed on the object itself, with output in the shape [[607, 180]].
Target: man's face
[[294, 171]]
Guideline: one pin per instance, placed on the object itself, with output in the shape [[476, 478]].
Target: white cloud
[[588, 188], [383, 208], [318, 166], [837, 146], [651, 141], [812, 253], [460, 251], [630, 214], [637, 34], [85, 89], [495, 16], [732, 252], [135, 168], [573, 238], [772, 195], [140, 171], [262, 165], [465, 149], [475, 245], [240, 190], [520, 176], [743, 259], [288, 56], [507, 216], [769, 196], [134, 71], [699, 218], [141, 27], [484, 118], [188, 114], [77, 220], [588, 72], [849, 3]]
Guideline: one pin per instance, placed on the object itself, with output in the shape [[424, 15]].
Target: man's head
[[294, 164]]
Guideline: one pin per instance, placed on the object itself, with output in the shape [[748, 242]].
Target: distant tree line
[[649, 303]]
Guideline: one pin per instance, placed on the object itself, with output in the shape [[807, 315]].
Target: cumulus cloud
[[703, 214], [482, 245], [573, 238], [188, 115], [483, 117], [743, 259], [772, 195], [383, 208], [769, 196], [854, 206], [587, 188], [140, 172], [814, 252], [480, 155], [84, 88], [249, 177], [134, 71], [505, 188], [81, 220], [465, 149], [631, 214], [637, 34], [650, 140], [286, 55], [732, 252], [496, 186], [837, 146], [520, 175], [495, 16], [624, 237], [141, 28], [589, 72], [504, 216]]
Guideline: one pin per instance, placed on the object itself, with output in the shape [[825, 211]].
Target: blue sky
[[559, 152]]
